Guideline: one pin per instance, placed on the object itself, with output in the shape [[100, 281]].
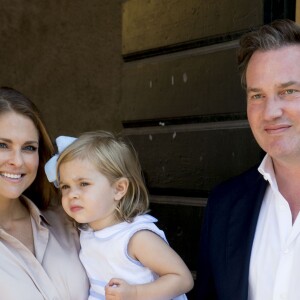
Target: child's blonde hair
[[115, 159]]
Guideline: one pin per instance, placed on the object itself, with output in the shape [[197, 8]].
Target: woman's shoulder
[[60, 223], [55, 214]]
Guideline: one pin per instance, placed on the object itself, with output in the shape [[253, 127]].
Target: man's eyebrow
[[289, 83], [282, 85], [253, 90]]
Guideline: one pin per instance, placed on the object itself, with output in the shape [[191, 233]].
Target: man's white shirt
[[275, 257]]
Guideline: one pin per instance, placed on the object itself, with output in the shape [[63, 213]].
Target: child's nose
[[74, 193]]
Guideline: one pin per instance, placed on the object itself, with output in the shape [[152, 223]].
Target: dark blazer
[[227, 236]]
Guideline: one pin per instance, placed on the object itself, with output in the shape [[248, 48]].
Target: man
[[250, 244]]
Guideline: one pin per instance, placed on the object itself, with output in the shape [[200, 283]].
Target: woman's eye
[[3, 145], [30, 148]]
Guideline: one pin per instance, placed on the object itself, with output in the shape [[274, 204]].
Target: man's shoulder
[[244, 180], [247, 184]]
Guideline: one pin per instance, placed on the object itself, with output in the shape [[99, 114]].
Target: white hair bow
[[62, 143]]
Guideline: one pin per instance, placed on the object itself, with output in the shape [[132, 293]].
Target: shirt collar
[[35, 213], [267, 170]]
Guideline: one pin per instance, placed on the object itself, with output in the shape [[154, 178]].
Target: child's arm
[[153, 252]]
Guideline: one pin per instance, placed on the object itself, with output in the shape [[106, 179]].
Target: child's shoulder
[[146, 223]]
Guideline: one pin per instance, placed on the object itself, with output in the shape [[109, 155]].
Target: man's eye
[[252, 96], [3, 145], [256, 96], [289, 92]]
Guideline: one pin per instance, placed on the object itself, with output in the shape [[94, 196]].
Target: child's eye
[[64, 187], [84, 184]]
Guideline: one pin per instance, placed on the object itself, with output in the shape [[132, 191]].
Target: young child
[[124, 253]]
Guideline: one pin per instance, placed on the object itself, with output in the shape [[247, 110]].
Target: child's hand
[[118, 289]]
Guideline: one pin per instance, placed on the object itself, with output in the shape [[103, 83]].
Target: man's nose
[[273, 107]]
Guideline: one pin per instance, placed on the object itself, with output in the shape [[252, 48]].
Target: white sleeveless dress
[[104, 255]]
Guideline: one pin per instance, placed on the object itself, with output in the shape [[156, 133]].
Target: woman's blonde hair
[[115, 159]]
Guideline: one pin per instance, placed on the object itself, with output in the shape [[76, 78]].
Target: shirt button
[[286, 251]]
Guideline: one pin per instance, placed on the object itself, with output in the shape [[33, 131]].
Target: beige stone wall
[[66, 56]]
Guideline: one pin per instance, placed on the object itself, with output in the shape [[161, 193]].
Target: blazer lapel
[[241, 230]]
